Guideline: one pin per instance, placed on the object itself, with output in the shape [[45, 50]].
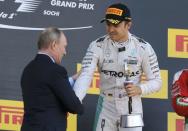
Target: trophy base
[[131, 121]]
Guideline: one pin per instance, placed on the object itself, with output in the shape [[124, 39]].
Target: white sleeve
[[89, 65], [151, 69]]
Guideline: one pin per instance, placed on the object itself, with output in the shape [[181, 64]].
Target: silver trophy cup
[[130, 120]]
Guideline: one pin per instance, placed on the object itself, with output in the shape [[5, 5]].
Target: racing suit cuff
[[71, 81], [143, 89]]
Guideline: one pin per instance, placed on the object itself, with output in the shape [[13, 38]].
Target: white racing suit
[[110, 58]]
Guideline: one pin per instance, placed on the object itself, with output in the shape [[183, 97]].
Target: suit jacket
[[47, 96]]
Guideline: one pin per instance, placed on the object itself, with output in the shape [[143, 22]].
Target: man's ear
[[129, 24], [53, 45]]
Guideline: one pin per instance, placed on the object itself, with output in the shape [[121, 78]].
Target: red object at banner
[[11, 115], [179, 125]]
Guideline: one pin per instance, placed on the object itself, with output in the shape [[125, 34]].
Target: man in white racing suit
[[110, 53]]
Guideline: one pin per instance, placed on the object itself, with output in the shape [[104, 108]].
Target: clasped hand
[[132, 90]]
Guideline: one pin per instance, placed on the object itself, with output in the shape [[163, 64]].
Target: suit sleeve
[[64, 92], [89, 65], [151, 69]]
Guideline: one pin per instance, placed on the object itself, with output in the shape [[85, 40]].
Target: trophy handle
[[130, 105], [126, 72]]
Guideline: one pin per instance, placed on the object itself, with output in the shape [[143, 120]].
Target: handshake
[[74, 77]]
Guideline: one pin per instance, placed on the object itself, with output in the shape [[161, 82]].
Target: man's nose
[[110, 28]]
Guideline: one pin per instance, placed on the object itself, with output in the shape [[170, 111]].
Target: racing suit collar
[[121, 44]]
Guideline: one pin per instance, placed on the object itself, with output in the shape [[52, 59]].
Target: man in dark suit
[[47, 93]]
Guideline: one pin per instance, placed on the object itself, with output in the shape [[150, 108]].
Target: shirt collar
[[43, 53]]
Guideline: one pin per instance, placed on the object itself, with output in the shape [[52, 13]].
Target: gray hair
[[48, 36]]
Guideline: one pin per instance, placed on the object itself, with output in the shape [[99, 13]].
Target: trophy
[[130, 120]]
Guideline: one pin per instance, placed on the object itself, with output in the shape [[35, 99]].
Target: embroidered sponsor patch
[[131, 62], [182, 101], [108, 61], [114, 11], [113, 21]]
